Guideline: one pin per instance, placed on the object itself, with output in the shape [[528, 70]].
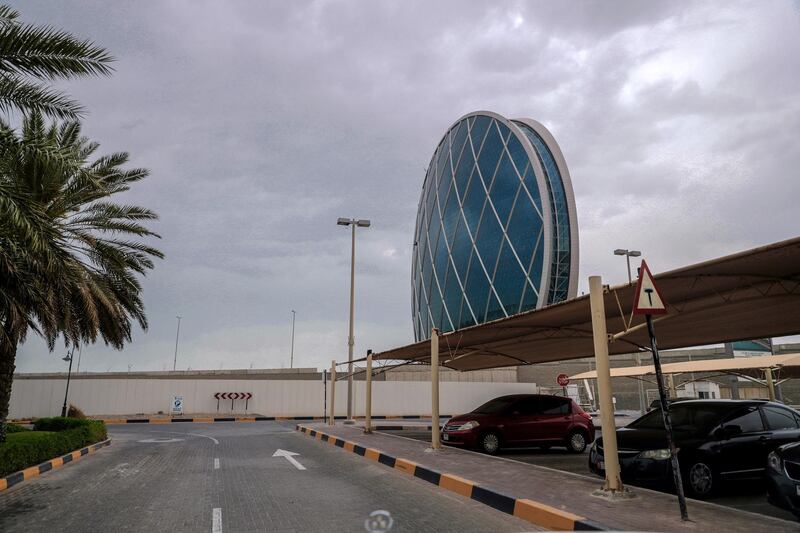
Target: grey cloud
[[264, 122]]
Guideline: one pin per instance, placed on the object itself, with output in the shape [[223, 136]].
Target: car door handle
[[764, 438]]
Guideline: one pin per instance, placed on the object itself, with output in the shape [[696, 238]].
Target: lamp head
[[343, 222], [363, 223], [620, 251], [634, 253]]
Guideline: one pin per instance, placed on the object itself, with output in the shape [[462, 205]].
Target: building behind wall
[[496, 231]]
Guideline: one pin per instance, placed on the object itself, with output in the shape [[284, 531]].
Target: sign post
[[563, 380], [649, 302], [177, 405]]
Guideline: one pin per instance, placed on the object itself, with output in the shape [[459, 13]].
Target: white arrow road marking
[[216, 520], [288, 455], [216, 463]]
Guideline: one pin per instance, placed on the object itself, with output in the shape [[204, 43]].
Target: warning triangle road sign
[[648, 299]]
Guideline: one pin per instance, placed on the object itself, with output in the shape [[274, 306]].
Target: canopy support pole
[[368, 406], [606, 404], [435, 444], [673, 391], [770, 383], [333, 393]]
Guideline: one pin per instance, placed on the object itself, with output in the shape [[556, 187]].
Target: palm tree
[[29, 54], [69, 257]]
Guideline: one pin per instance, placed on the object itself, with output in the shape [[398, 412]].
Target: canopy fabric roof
[[788, 364], [747, 295]]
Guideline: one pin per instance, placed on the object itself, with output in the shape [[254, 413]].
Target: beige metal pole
[[673, 391], [770, 383], [368, 406], [604, 393], [435, 444], [332, 416]]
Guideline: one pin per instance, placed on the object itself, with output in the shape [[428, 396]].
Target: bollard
[[435, 444], [368, 406], [333, 393], [605, 403]]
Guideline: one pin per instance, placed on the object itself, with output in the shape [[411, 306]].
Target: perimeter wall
[[44, 396]]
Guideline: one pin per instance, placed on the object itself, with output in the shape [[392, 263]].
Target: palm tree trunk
[[8, 354]]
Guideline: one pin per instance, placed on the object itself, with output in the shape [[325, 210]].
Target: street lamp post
[[628, 254], [353, 223], [69, 358], [291, 357], [177, 334]]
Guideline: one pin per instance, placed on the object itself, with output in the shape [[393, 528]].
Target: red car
[[522, 420]]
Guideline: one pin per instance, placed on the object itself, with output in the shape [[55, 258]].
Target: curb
[[34, 471], [209, 420], [401, 428], [535, 512]]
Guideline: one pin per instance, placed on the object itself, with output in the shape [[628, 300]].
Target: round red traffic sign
[[563, 380]]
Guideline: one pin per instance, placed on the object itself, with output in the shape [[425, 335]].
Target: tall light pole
[[177, 334], [628, 254], [69, 358], [353, 223], [291, 358]]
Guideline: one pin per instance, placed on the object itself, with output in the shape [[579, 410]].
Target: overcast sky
[[262, 122]]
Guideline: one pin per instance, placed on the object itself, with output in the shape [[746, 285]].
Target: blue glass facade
[[496, 232]]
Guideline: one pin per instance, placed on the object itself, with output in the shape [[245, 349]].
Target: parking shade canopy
[[751, 294], [788, 365]]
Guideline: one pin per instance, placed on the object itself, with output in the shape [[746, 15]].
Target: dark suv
[[522, 420]]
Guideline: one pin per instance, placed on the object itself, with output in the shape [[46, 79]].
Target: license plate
[[445, 436]]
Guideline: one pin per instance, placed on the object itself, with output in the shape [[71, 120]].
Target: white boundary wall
[[44, 397]]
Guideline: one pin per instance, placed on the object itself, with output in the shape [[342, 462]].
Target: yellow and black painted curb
[[535, 512], [209, 420], [52, 464]]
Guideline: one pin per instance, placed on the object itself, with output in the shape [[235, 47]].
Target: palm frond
[[48, 53], [17, 94], [8, 15]]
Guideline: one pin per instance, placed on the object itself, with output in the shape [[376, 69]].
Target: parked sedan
[[522, 420], [783, 475], [718, 441]]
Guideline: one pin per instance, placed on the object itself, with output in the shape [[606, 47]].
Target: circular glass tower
[[496, 230]]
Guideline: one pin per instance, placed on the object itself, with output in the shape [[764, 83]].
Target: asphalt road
[[223, 477], [746, 497]]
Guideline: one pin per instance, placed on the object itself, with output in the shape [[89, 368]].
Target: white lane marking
[[161, 440], [206, 436], [191, 434], [216, 520], [288, 455], [216, 463]]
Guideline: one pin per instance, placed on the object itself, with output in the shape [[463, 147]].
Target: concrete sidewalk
[[572, 493]]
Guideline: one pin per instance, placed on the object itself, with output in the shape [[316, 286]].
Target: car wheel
[[490, 443], [576, 441], [700, 480]]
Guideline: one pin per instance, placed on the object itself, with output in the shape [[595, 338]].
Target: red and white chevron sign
[[233, 395]]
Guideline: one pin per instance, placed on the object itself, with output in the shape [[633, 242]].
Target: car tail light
[[580, 412]]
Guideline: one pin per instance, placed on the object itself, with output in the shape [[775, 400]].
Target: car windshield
[[694, 417], [498, 405]]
